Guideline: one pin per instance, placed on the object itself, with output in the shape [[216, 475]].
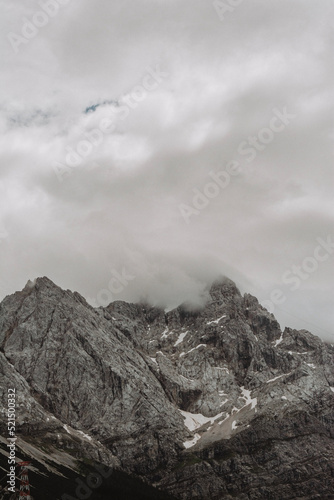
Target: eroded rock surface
[[206, 404]]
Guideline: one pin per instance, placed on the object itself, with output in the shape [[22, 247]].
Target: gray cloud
[[120, 207]]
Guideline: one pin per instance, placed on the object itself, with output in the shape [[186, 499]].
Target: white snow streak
[[223, 402], [193, 349], [181, 338], [275, 378], [279, 340], [216, 320], [85, 435], [74, 431], [165, 333]]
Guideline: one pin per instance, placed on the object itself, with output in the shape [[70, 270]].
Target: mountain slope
[[208, 404]]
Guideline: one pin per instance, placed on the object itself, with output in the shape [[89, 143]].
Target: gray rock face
[[207, 404]]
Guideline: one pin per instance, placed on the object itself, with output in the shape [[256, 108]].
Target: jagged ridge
[[199, 402]]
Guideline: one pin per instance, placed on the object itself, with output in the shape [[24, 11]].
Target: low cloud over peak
[[163, 144]]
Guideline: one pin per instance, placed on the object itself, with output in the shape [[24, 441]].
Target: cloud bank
[[171, 143]]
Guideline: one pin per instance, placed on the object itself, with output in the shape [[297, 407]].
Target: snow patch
[[74, 431], [332, 389], [165, 333], [194, 421], [279, 376], [193, 349], [85, 435], [277, 342], [223, 369], [246, 394], [192, 442], [223, 402], [181, 338], [275, 378], [216, 320]]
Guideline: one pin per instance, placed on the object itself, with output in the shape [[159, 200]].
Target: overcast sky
[[170, 142]]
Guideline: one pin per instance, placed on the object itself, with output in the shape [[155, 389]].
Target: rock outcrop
[[205, 404]]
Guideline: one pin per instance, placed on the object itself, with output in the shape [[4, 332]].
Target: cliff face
[[205, 404]]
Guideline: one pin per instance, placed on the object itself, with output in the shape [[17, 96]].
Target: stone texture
[[115, 384]]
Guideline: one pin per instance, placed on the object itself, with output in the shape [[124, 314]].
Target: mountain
[[208, 404]]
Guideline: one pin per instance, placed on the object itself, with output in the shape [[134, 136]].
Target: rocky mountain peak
[[40, 282], [223, 293], [199, 402], [41, 286], [225, 287]]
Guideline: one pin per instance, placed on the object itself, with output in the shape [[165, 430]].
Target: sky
[[150, 147]]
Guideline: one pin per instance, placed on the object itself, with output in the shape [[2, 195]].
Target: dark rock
[[205, 403]]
